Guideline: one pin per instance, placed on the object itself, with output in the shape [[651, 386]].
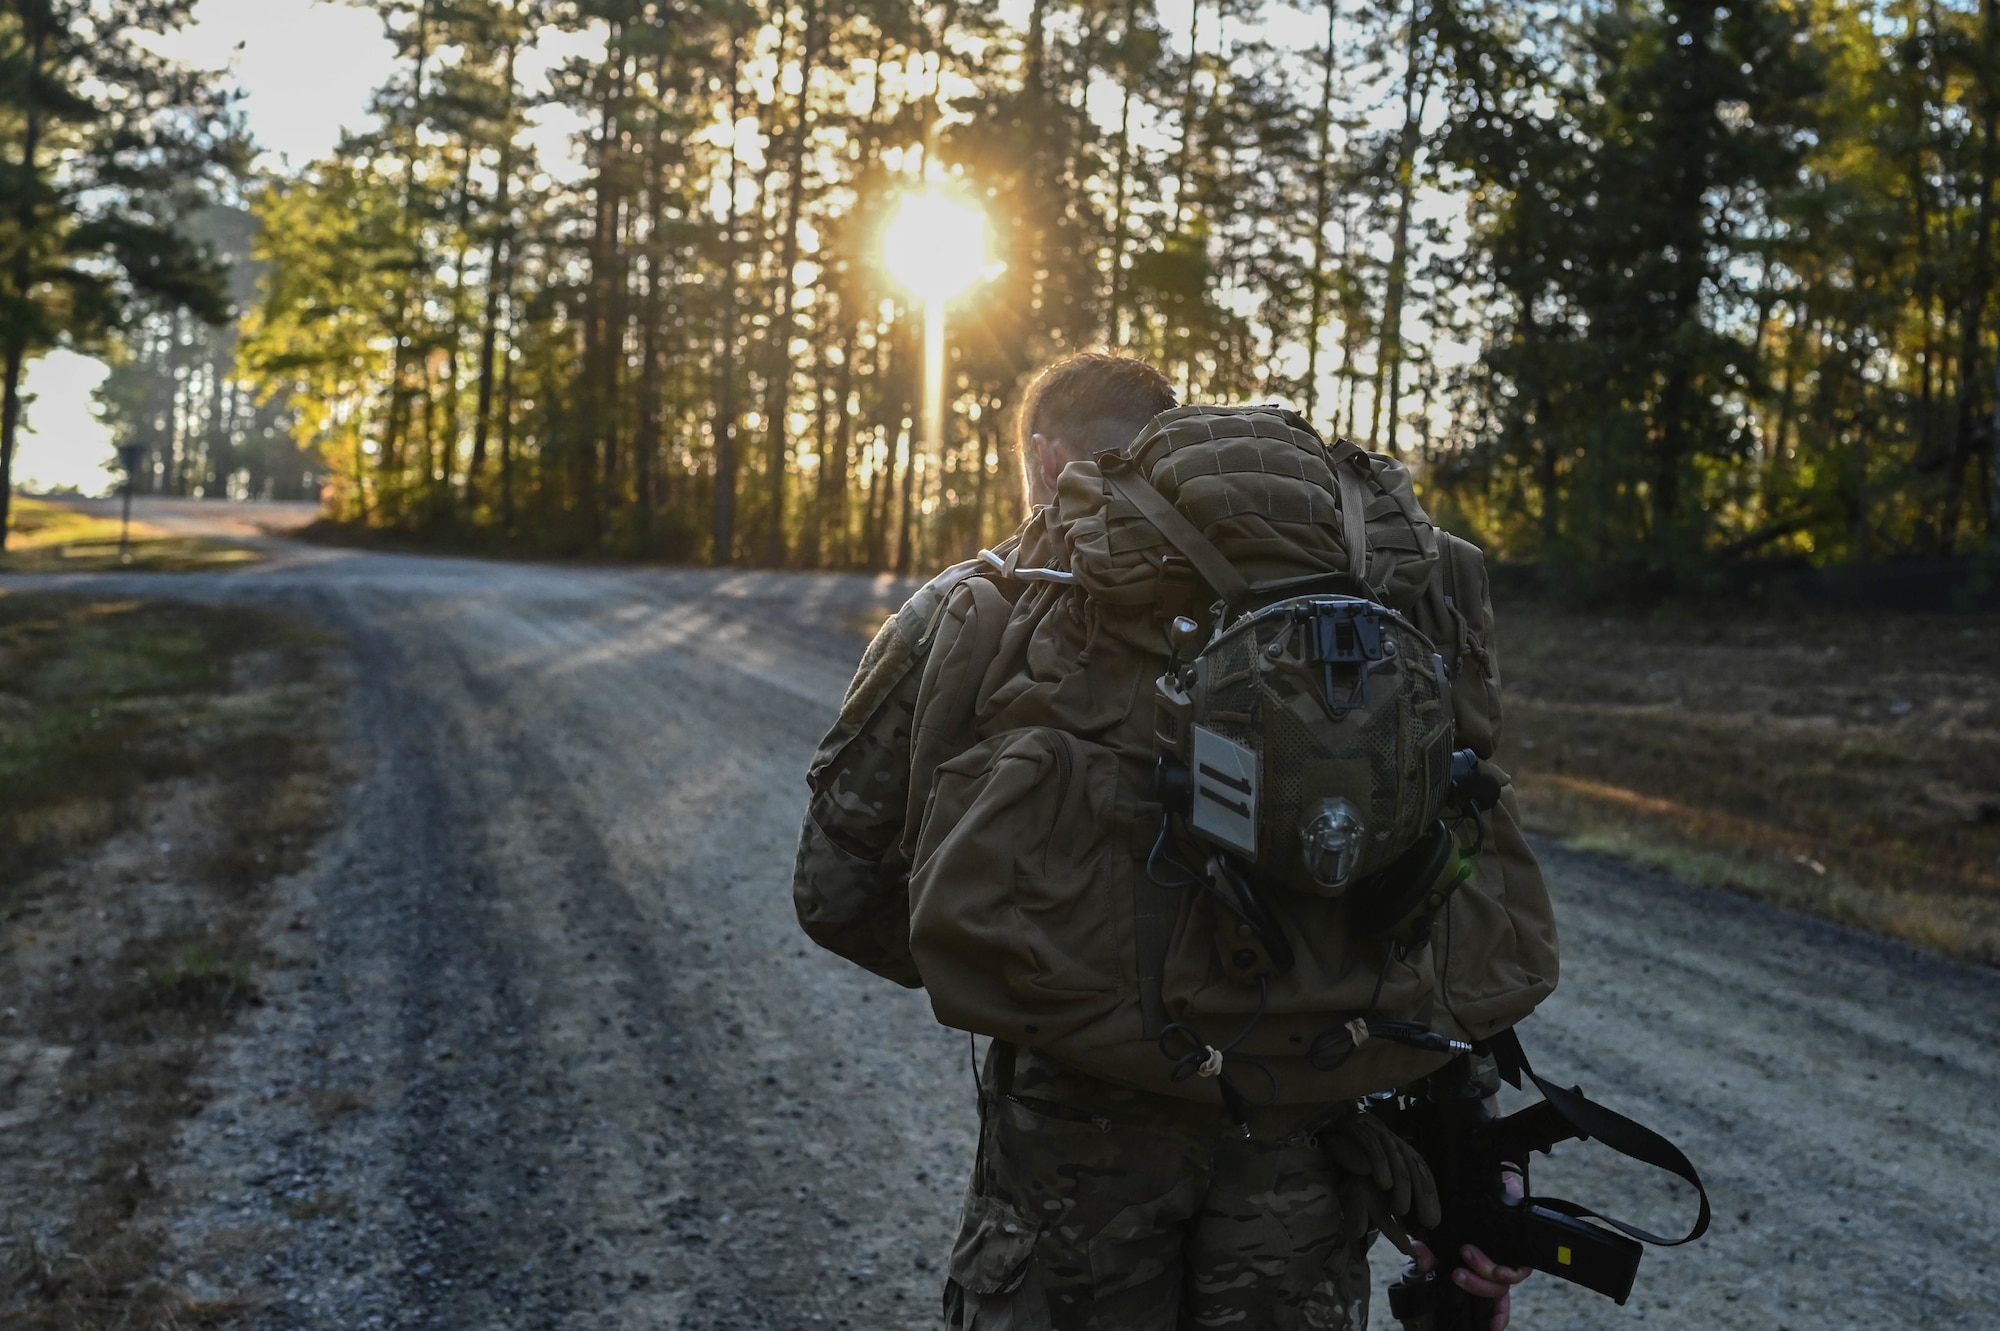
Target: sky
[[307, 67]]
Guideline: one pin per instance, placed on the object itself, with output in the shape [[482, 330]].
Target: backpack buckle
[[1344, 638]]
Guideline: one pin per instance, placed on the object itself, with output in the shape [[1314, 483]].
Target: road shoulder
[[165, 769]]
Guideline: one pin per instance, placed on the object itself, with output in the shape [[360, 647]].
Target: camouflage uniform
[[1093, 1205], [850, 884], [1099, 1208]]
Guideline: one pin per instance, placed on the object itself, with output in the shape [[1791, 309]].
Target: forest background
[[1634, 285]]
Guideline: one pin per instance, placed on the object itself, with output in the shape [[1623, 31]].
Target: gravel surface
[[547, 1049]]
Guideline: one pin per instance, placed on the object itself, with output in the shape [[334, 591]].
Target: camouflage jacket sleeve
[[850, 883]]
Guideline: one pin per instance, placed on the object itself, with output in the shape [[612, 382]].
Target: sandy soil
[[550, 1051]]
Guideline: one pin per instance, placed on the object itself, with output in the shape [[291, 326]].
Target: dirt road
[[236, 520], [548, 1050]]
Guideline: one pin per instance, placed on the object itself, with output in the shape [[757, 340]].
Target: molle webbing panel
[[1277, 500]]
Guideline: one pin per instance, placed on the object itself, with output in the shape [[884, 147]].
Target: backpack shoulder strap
[[1448, 578]]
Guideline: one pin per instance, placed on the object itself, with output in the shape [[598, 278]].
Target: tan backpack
[[1199, 592]]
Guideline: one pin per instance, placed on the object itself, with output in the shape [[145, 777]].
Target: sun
[[937, 245]]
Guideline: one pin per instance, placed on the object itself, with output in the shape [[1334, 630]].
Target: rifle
[[1470, 1151]]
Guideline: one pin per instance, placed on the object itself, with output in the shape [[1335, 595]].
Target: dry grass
[[160, 764], [1844, 764], [100, 699], [50, 537]]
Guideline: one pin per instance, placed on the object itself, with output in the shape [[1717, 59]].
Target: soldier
[[1095, 1202]]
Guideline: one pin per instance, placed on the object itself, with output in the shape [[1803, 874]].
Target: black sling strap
[[1635, 1141]]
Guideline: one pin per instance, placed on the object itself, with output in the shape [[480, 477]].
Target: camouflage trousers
[[1098, 1208]]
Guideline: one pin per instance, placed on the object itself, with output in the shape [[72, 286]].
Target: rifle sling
[[1635, 1141]]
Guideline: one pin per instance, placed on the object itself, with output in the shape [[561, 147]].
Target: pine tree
[[108, 148]]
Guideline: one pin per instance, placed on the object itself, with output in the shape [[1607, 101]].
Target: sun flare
[[937, 245]]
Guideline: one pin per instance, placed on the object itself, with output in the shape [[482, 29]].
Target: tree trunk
[[905, 522], [1351, 331], [844, 470], [443, 491], [1978, 290], [221, 414], [722, 548], [784, 324], [1389, 357], [646, 447], [605, 322], [1859, 526], [507, 426], [1190, 106], [1926, 281], [812, 538], [1322, 206], [875, 517], [22, 277], [980, 449], [1774, 461], [396, 422], [1114, 320], [1990, 464], [176, 460], [498, 277]]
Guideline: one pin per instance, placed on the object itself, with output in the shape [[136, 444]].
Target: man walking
[[993, 764]]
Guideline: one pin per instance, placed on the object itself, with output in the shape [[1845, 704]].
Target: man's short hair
[[1093, 402]]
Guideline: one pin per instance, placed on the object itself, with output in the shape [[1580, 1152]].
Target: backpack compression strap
[[1634, 1141], [1347, 463], [1214, 566]]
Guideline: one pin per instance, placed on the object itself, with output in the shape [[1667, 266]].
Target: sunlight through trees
[[1637, 286]]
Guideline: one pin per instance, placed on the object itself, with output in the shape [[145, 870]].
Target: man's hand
[[1481, 1277]]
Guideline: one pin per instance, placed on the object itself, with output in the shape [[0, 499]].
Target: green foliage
[[1736, 266], [104, 149], [691, 350], [174, 390], [1639, 287]]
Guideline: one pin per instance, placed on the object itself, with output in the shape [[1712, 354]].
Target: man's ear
[[1050, 459]]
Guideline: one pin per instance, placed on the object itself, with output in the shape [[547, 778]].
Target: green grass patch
[[46, 536], [100, 697], [197, 980]]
